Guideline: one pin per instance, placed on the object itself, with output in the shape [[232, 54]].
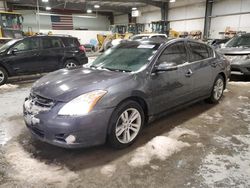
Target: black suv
[[39, 54]]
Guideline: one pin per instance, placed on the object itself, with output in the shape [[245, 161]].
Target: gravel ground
[[200, 146]]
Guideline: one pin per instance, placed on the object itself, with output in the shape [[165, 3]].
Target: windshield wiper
[[118, 70], [93, 66]]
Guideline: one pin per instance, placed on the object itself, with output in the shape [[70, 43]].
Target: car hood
[[234, 51], [65, 84]]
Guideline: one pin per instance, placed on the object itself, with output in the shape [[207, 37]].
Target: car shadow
[[84, 158]]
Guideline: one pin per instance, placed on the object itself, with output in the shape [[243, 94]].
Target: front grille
[[41, 101], [235, 69]]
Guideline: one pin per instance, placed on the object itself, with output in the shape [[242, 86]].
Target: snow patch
[[34, 109], [211, 119], [200, 145], [12, 103], [155, 167], [26, 166], [177, 133], [108, 170], [243, 98], [226, 91], [228, 170], [159, 147], [8, 87], [240, 83]]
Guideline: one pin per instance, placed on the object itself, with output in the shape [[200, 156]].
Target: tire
[[3, 76], [123, 134], [70, 63], [217, 91]]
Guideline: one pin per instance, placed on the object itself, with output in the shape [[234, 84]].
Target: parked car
[[129, 85], [237, 50], [149, 36], [39, 54], [217, 43]]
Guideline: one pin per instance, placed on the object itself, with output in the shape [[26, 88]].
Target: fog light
[[70, 139]]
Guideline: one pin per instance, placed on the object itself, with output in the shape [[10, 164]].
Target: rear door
[[25, 60], [51, 54], [201, 60], [172, 88]]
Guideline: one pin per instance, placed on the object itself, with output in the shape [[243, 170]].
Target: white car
[[149, 36]]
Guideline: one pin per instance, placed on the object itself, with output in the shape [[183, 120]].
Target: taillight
[[82, 48]]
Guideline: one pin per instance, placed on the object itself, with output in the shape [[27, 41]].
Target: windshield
[[7, 45], [239, 41], [126, 58]]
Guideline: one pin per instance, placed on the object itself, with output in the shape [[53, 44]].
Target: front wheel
[[126, 123], [3, 76], [217, 91]]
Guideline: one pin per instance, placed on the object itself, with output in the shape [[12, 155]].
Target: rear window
[[70, 42]]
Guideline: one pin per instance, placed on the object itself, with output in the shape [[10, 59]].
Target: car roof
[[41, 36], [159, 42], [150, 34]]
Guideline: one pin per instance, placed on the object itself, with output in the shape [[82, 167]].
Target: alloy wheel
[[2, 77], [70, 65], [218, 89], [128, 125]]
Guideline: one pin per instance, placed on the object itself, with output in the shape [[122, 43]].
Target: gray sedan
[[128, 86]]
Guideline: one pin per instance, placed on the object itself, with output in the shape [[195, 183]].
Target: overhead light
[[48, 8], [45, 1], [96, 6], [134, 8], [89, 11], [171, 1]]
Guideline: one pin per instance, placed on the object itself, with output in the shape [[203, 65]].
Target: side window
[[27, 44], [198, 51], [51, 43], [210, 52], [70, 42], [175, 53]]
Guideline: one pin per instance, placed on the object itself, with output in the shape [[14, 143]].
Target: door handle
[[189, 73]]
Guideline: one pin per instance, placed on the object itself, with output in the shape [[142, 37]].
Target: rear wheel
[[70, 63], [126, 121], [3, 76], [217, 91]]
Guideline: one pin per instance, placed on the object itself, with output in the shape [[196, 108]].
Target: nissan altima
[[111, 99]]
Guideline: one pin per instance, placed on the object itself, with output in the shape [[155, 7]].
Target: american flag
[[62, 22]]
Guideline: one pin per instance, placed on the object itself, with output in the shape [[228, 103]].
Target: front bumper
[[240, 69], [89, 130]]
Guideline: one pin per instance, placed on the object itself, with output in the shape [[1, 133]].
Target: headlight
[[83, 104]]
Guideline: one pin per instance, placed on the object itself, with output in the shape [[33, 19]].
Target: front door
[[25, 56], [174, 87]]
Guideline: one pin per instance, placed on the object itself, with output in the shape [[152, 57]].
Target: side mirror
[[13, 51], [166, 67]]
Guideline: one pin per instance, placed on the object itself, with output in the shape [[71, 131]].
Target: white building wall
[[239, 22], [121, 19], [187, 18]]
